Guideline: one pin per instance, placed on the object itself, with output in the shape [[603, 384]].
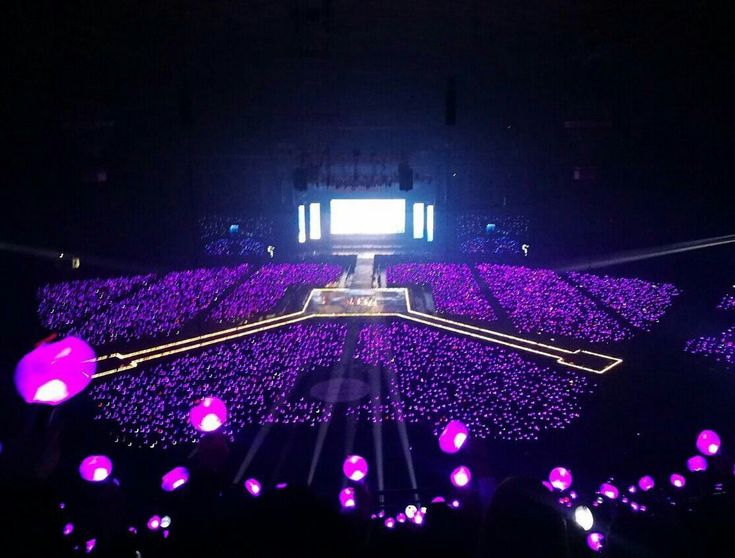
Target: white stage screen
[[367, 216]]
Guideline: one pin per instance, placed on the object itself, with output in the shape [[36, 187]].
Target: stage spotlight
[[646, 483], [95, 468], [390, 523], [174, 478], [453, 437], [560, 478], [595, 541], [609, 491], [154, 523], [461, 476], [54, 372], [208, 415], [355, 468], [253, 487], [677, 480], [697, 464], [708, 442], [347, 498], [583, 517]]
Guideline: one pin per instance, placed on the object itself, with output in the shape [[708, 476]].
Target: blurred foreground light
[[697, 464], [165, 521], [253, 487], [438, 500], [560, 478], [461, 476], [209, 414], [455, 504], [95, 468], [609, 490], [154, 523], [453, 437], [347, 498], [708, 442], [411, 511], [583, 517], [355, 467], [389, 523], [646, 483], [175, 478], [89, 545], [54, 372], [677, 480], [68, 529], [401, 517], [595, 541]]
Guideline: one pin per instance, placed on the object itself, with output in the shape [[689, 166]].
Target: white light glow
[[302, 224], [418, 220], [315, 221], [367, 216], [430, 223], [583, 517]]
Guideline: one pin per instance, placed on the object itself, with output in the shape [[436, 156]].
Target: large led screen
[[367, 216]]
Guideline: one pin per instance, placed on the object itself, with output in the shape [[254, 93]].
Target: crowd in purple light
[[255, 377], [234, 247], [510, 232], [454, 289], [728, 301], [61, 305], [161, 307], [434, 377], [540, 301], [641, 303], [262, 291]]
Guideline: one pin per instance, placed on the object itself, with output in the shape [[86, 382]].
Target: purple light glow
[[89, 545], [453, 436], [175, 478], [677, 480], [609, 491], [95, 468], [560, 478], [455, 504], [355, 468], [697, 464], [347, 498], [595, 541], [208, 415], [708, 442], [253, 487], [154, 523], [68, 529], [55, 372], [281, 485], [438, 500], [646, 483], [418, 518], [389, 523], [401, 517], [461, 476]]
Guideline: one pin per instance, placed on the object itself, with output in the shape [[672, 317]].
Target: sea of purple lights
[[720, 347], [453, 287], [162, 307], [61, 305], [433, 377], [261, 292], [641, 303], [255, 377], [541, 301]]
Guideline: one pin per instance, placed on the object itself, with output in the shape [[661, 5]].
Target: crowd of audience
[[719, 347], [505, 236], [540, 301], [161, 307], [243, 246], [61, 305], [641, 303], [432, 375], [453, 288], [728, 301], [265, 288], [255, 377]]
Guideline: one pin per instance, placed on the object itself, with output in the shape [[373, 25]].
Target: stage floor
[[331, 302]]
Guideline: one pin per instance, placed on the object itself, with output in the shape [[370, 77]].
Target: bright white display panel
[[367, 216]]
